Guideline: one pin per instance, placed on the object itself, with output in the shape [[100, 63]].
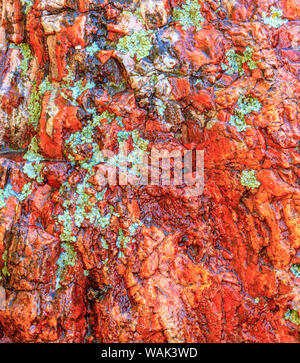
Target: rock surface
[[80, 262]]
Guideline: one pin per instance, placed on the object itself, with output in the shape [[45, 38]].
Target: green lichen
[[161, 107], [86, 137], [248, 179], [66, 259], [85, 209], [81, 202], [246, 105], [2, 199], [45, 86], [66, 220], [27, 4], [189, 15], [292, 316], [6, 193], [33, 166], [275, 19], [76, 87], [122, 242], [92, 49], [33, 171], [104, 244], [133, 228], [35, 99], [137, 44], [295, 270], [26, 191], [236, 61], [79, 88], [26, 55], [34, 106], [5, 271]]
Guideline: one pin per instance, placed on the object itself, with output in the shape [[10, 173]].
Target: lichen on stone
[[137, 44], [6, 193], [26, 56], [295, 270], [161, 107], [248, 179], [66, 259], [27, 5], [33, 166], [92, 49], [189, 15], [293, 316], [246, 105], [275, 19], [25, 192], [45, 86], [34, 106], [122, 242], [236, 61], [67, 234]]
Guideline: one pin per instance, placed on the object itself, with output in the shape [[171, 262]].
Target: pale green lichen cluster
[[25, 192], [275, 19], [33, 166], [27, 56], [295, 270], [189, 15], [137, 44], [92, 49], [81, 202], [122, 242], [34, 106], [77, 88], [292, 316], [236, 61], [35, 99], [161, 107], [45, 86], [6, 193], [66, 259], [27, 4], [80, 205], [248, 179], [246, 105]]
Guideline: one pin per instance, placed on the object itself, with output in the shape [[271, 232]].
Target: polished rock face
[[85, 262]]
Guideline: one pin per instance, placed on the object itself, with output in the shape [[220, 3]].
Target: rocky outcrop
[[85, 262]]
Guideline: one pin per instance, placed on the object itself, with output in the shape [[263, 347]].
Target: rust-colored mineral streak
[[83, 262]]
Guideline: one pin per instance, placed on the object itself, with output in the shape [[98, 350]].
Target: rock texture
[[84, 263]]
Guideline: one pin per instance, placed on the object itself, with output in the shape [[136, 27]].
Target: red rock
[[167, 267]]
